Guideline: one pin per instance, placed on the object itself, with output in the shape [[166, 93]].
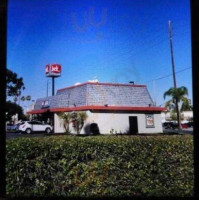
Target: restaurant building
[[115, 108]]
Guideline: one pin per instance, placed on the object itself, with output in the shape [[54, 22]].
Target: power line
[[131, 52], [155, 79]]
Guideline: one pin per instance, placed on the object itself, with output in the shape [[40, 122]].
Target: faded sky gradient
[[114, 41]]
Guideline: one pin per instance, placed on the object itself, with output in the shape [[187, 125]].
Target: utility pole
[[172, 57], [173, 69]]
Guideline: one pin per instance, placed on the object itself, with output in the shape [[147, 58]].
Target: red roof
[[113, 108], [97, 83]]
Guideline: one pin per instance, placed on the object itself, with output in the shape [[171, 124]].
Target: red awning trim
[[115, 108], [97, 83], [38, 111]]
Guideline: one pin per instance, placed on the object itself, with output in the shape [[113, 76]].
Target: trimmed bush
[[100, 166]]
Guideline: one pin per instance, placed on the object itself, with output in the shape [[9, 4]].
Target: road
[[183, 131], [10, 135]]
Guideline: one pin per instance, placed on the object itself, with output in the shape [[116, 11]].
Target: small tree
[[14, 84], [66, 117], [173, 116], [78, 119], [186, 106], [190, 119], [12, 109]]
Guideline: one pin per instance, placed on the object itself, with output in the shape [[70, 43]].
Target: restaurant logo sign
[[53, 70]]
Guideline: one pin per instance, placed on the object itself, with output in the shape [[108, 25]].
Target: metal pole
[[47, 87], [53, 86]]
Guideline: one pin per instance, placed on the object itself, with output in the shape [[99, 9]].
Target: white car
[[34, 126]]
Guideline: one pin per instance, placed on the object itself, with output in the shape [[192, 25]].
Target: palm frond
[[169, 92]]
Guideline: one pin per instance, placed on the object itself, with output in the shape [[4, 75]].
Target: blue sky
[[114, 41]]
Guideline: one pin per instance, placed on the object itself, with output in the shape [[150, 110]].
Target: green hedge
[[100, 166]]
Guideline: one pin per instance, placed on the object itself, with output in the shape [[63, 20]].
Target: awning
[[113, 108]]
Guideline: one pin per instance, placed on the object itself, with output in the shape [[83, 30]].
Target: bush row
[[100, 166]]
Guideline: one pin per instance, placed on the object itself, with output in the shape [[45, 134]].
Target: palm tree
[[23, 98], [177, 95], [83, 116], [66, 117], [78, 120], [28, 98]]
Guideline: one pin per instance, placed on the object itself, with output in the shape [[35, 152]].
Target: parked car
[[190, 124], [184, 125], [170, 125], [34, 126], [10, 127], [17, 126]]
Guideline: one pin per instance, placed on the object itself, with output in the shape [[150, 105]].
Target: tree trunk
[[178, 116]]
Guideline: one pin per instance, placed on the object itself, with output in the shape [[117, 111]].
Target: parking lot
[[10, 135], [183, 131]]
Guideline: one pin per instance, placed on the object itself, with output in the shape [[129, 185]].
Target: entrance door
[[133, 125]]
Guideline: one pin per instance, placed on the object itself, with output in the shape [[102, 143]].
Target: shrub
[[100, 166], [94, 129]]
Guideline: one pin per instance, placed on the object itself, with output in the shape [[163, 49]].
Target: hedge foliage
[[100, 166]]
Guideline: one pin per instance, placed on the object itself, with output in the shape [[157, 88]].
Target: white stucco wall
[[117, 121], [187, 115]]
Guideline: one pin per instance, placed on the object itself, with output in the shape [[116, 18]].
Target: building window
[[45, 104], [150, 121]]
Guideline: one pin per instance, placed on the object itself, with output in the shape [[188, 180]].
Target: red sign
[[53, 70]]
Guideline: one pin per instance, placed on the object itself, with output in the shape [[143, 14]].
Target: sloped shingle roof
[[99, 94]]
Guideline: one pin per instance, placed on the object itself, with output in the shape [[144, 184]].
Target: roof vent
[[77, 83], [131, 82], [93, 81]]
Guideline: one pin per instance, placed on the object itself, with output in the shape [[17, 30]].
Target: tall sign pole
[[47, 88], [53, 71], [53, 86]]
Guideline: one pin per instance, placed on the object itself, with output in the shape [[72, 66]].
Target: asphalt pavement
[[10, 135], [183, 131]]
